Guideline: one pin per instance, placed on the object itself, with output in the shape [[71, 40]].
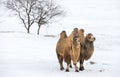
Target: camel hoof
[[76, 70], [81, 68], [62, 68], [70, 66], [67, 70]]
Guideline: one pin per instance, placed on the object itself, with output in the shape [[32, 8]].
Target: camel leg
[[67, 59], [61, 63], [81, 64], [68, 66], [82, 58], [60, 59], [76, 68]]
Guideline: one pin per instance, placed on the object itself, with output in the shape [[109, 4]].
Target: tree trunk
[[38, 31], [28, 29]]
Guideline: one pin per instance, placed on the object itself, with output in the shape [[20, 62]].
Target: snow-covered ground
[[31, 55]]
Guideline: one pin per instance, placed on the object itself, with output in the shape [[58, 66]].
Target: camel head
[[90, 37]]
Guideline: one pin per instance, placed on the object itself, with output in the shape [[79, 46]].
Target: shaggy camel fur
[[87, 49], [65, 48]]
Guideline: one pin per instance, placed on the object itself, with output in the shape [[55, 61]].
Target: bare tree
[[24, 10], [34, 11], [45, 11]]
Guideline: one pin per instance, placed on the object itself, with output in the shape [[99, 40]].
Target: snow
[[31, 55]]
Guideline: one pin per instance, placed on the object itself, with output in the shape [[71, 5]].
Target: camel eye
[[89, 37]]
